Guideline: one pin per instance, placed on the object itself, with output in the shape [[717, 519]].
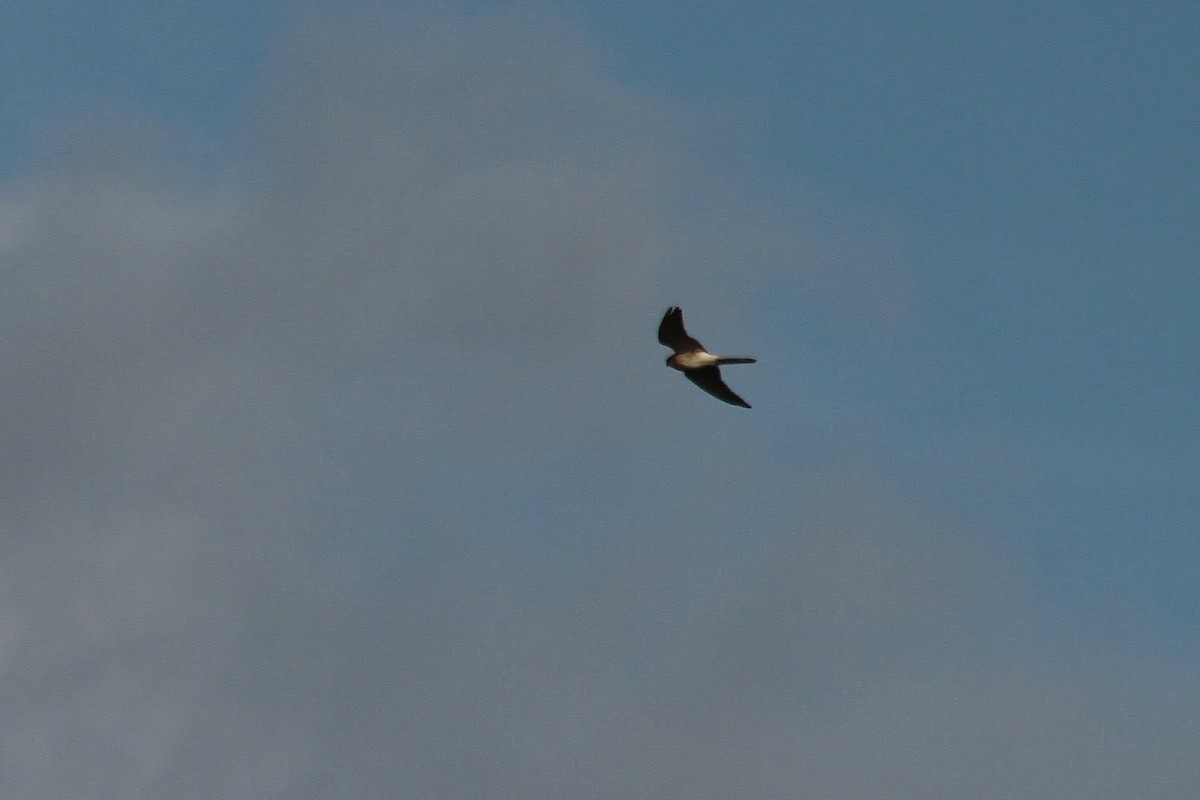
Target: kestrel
[[697, 364]]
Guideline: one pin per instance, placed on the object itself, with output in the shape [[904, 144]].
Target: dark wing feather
[[709, 379], [672, 334]]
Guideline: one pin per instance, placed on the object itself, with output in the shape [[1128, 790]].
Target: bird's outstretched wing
[[709, 379], [672, 334]]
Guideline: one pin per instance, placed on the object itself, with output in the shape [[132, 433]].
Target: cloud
[[359, 475]]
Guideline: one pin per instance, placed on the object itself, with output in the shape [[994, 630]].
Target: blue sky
[[343, 455], [1036, 167]]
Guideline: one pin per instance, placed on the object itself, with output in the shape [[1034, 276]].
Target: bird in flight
[[697, 364]]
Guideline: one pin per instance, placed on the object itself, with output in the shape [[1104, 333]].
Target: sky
[[340, 458]]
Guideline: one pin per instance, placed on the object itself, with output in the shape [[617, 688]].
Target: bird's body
[[697, 364], [693, 359]]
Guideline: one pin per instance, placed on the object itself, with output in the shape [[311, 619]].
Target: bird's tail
[[736, 360]]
